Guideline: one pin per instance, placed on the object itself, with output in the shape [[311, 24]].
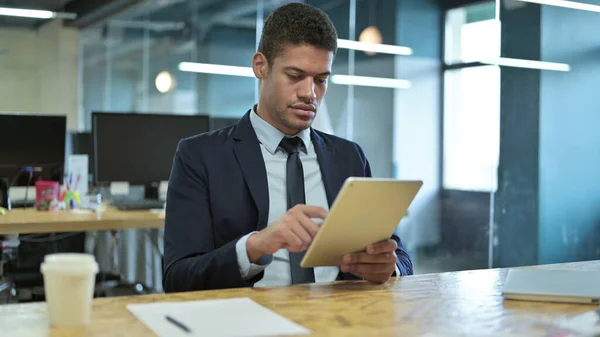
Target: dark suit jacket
[[218, 193]]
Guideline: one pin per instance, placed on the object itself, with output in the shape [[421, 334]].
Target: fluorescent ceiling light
[[566, 4], [27, 13], [374, 47], [216, 69], [529, 64], [365, 81]]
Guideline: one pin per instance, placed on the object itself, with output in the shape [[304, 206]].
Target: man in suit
[[244, 202]]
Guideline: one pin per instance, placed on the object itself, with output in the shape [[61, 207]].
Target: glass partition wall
[[194, 57], [546, 204], [490, 103]]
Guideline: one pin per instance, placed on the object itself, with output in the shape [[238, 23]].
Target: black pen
[[178, 324]]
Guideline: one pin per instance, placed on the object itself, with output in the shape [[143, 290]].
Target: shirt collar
[[270, 137]]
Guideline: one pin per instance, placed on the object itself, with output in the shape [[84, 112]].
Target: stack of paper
[[239, 317]]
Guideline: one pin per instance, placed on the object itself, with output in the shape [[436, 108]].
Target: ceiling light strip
[[378, 82], [528, 64], [27, 13], [566, 4], [218, 69], [374, 47]]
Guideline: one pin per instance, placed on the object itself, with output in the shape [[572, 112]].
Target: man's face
[[293, 86]]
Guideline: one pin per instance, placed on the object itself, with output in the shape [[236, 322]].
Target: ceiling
[[171, 23], [448, 4], [36, 4], [128, 16], [50, 5], [90, 12], [96, 12]]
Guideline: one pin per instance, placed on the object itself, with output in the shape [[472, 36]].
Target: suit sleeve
[[403, 260], [191, 260]]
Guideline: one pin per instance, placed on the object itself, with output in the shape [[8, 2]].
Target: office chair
[[6, 284], [117, 285]]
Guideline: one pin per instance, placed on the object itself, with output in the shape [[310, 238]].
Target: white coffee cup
[[69, 280]]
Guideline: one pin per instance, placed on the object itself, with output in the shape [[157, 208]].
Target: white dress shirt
[[277, 269]]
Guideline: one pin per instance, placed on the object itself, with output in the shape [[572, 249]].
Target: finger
[[369, 258], [364, 269], [310, 226], [303, 235], [386, 246], [291, 241], [312, 211]]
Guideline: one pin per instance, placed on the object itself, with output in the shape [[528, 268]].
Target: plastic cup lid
[[72, 263], [80, 268], [69, 258]]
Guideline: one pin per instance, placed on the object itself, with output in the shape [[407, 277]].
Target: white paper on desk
[[239, 317], [585, 324]]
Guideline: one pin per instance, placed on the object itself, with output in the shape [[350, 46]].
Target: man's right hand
[[294, 231]]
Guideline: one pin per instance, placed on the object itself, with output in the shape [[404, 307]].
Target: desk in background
[[23, 221], [447, 304]]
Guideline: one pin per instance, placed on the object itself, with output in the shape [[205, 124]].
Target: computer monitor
[[138, 148], [34, 142]]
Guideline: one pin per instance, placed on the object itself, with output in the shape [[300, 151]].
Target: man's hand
[[375, 265], [294, 230]]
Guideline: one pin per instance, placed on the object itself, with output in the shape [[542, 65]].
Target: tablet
[[366, 211]]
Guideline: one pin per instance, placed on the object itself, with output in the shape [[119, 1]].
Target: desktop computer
[[4, 193], [32, 147], [138, 148]]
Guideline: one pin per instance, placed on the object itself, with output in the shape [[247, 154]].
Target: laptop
[[551, 285]]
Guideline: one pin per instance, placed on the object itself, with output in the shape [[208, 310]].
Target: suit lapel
[[249, 156], [328, 165]]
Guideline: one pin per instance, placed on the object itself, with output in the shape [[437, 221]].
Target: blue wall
[[569, 167], [516, 200], [547, 205]]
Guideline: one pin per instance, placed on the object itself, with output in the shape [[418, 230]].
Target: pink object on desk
[[46, 195]]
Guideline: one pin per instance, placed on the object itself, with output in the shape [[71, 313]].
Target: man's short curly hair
[[296, 24]]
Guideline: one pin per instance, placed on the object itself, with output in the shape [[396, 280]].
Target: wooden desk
[[23, 221], [447, 304]]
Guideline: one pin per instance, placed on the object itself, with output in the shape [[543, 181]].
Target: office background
[[509, 153]]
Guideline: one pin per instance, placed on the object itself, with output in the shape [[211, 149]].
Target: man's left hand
[[376, 264]]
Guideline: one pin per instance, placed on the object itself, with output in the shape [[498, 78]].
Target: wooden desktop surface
[[23, 221], [467, 303]]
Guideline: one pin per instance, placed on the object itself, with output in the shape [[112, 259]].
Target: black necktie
[[295, 196]]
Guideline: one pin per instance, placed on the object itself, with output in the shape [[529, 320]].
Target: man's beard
[[286, 118]]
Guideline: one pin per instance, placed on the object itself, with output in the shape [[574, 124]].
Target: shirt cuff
[[249, 270], [396, 271]]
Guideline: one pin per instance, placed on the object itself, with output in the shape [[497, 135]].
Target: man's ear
[[259, 65]]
